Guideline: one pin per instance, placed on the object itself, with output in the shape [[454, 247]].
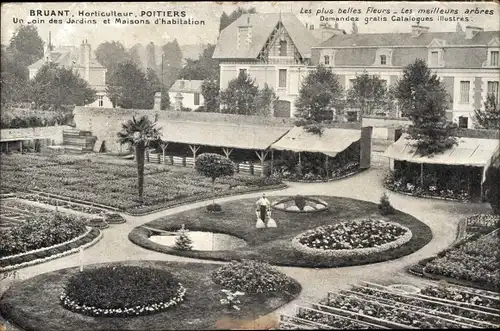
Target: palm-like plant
[[139, 134]]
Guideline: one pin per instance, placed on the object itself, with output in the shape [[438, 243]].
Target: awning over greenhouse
[[331, 142], [257, 137], [467, 152]]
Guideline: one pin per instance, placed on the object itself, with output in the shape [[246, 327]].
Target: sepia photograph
[[284, 165]]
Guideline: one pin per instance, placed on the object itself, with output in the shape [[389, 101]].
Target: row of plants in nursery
[[16, 205], [63, 204], [375, 305], [115, 185], [477, 298], [475, 261], [40, 231], [397, 181]]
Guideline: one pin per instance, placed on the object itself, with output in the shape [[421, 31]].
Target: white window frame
[[282, 88], [196, 94], [493, 82], [383, 52], [490, 55], [384, 58], [100, 101], [468, 92]]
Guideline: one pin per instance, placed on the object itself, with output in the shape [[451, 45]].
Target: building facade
[[83, 63], [278, 50], [186, 94]]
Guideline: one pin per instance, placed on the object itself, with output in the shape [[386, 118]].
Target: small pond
[[204, 241]]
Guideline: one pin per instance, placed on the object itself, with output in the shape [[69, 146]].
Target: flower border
[[356, 251], [291, 198], [54, 256], [75, 307]]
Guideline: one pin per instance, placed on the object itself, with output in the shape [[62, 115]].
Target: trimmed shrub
[[40, 231], [183, 242], [214, 208], [385, 206], [251, 277], [121, 290], [300, 202]]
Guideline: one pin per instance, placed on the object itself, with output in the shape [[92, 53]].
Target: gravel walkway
[[441, 216]]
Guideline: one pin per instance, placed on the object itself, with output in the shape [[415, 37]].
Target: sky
[[306, 11]]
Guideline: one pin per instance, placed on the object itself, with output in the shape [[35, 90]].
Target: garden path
[[441, 216]]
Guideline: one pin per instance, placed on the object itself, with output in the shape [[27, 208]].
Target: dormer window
[[435, 52], [383, 59], [327, 57], [434, 60], [326, 60], [283, 47]]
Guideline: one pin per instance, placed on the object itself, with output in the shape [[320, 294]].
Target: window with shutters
[[464, 91], [494, 58], [197, 99], [493, 89], [282, 78]]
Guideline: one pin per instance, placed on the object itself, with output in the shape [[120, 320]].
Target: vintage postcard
[[249, 165]]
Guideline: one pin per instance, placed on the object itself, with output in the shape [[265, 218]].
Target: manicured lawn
[[113, 184], [34, 304], [273, 245]]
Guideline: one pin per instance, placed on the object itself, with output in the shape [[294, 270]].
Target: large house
[[82, 61], [279, 50], [186, 94]]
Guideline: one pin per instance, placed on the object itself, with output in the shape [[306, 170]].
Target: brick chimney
[[471, 31], [85, 56], [417, 30]]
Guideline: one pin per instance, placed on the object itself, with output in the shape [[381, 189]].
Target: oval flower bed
[[121, 291], [359, 237], [300, 204]]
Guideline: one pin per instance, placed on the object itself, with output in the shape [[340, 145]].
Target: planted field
[[370, 306], [112, 184], [14, 212]]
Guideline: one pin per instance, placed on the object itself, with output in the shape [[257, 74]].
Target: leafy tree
[[210, 92], [14, 78], [56, 86], [425, 100], [226, 19], [319, 93], [139, 134], [205, 67], [367, 93], [493, 188], [128, 87], [214, 166], [265, 101], [489, 118], [27, 45], [111, 54], [172, 63], [239, 96]]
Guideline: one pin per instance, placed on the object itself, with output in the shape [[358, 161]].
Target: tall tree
[[151, 57], [27, 45], [210, 92], [265, 101], [239, 97], [128, 87], [226, 20], [56, 86], [489, 117], [425, 99], [135, 56], [368, 93], [205, 67], [154, 85], [14, 78], [110, 54], [172, 63], [139, 134], [319, 94]]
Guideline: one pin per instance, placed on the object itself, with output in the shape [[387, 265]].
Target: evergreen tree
[[110, 54], [226, 20], [239, 97], [172, 63], [265, 101], [151, 57], [489, 118], [183, 242], [210, 92], [56, 86], [135, 56], [425, 100], [205, 67]]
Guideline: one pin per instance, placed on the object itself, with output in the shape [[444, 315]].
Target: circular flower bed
[[121, 291], [252, 277], [359, 237], [300, 204]]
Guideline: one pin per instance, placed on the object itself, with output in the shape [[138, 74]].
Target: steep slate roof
[[229, 135], [331, 142], [469, 151], [65, 56], [382, 40], [262, 26], [190, 86]]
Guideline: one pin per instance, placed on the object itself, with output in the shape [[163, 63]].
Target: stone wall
[[52, 133]]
